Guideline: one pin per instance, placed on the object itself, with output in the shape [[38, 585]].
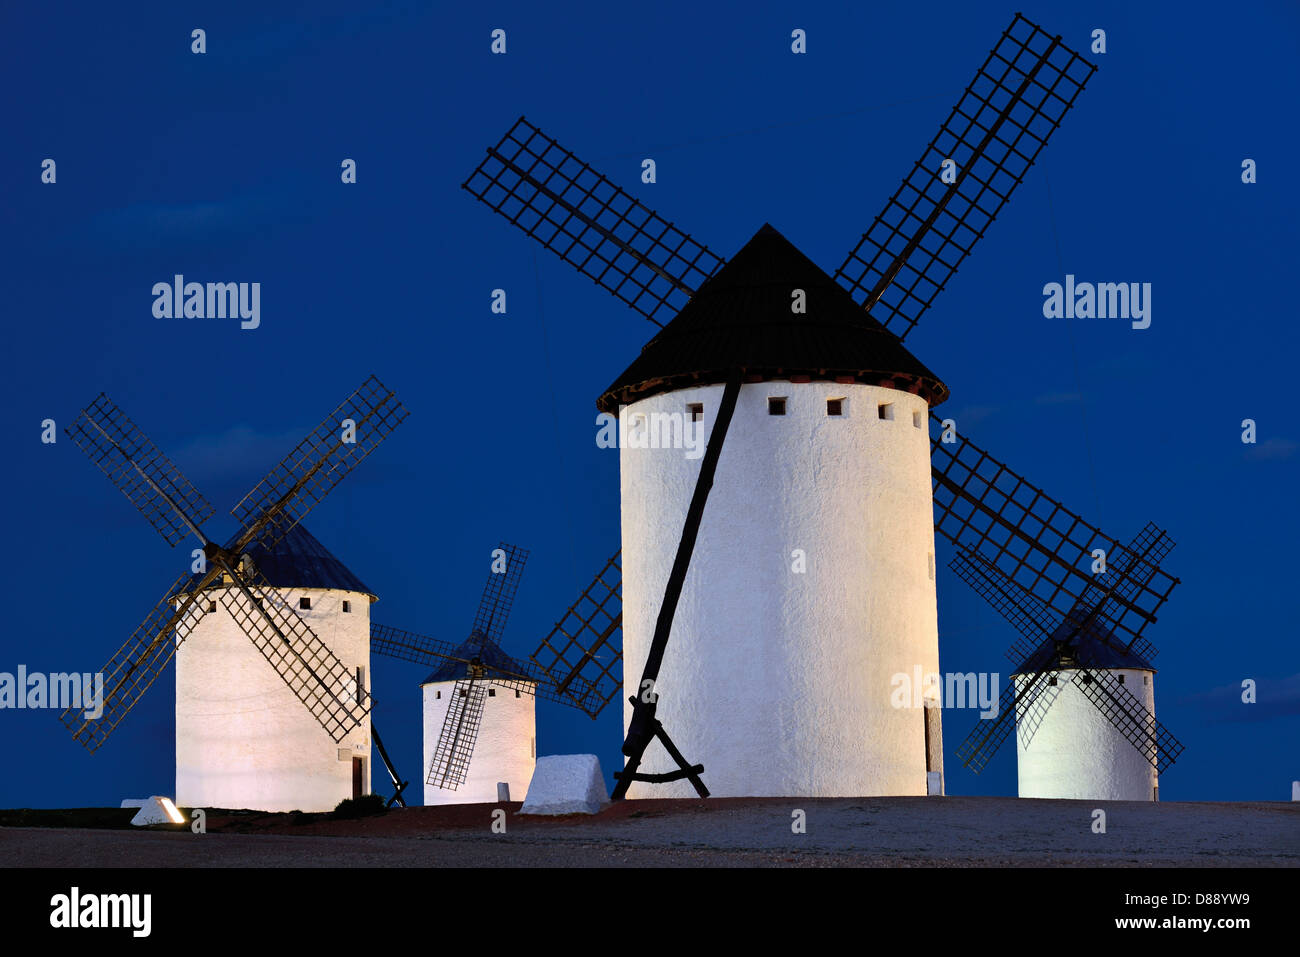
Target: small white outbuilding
[[505, 738]]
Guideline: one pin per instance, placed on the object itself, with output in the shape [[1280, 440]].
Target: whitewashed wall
[[243, 739], [505, 749], [1077, 753], [777, 682]]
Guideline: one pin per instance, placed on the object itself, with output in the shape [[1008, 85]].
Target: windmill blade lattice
[[1032, 539], [324, 685], [1126, 576], [408, 646], [449, 766], [582, 654], [1123, 709], [1027, 614], [318, 463], [499, 595], [1016, 700], [602, 231], [135, 465], [145, 655], [995, 132]]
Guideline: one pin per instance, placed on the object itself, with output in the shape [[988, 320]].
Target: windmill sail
[[991, 138], [600, 230]]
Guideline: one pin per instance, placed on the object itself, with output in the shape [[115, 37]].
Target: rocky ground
[[895, 832]]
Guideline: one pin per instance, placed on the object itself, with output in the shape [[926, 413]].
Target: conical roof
[[1093, 647], [490, 655], [299, 560], [741, 318]]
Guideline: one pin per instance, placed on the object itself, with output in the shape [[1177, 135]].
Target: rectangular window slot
[[437, 694], [1121, 679], [347, 606], [1052, 681], [886, 411], [834, 406], [304, 602], [212, 606], [916, 420], [776, 405], [696, 410]]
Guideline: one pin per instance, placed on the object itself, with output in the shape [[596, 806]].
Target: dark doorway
[[358, 777]]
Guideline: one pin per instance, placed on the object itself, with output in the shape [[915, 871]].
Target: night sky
[[226, 167]]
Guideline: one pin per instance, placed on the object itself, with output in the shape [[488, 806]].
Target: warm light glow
[[172, 811]]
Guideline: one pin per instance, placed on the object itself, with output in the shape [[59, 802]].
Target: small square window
[[212, 606], [304, 602], [516, 694], [696, 410], [834, 406], [1121, 679], [437, 694], [1087, 679], [492, 692], [1052, 681], [347, 606], [916, 420], [776, 405], [886, 411], [464, 692], [1146, 679]]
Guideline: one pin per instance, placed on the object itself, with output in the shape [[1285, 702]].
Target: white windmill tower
[[1067, 746], [813, 582], [812, 579], [496, 719], [243, 738], [479, 703], [1081, 700], [269, 714]]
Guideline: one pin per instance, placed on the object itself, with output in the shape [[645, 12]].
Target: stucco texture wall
[[779, 681]]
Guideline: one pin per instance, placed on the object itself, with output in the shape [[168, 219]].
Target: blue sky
[[225, 166]]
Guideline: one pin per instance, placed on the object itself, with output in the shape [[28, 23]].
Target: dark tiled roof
[[299, 560], [490, 655], [1093, 647], [741, 317]]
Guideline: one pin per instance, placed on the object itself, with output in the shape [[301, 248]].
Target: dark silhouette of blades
[[408, 646], [987, 736], [154, 485], [594, 226], [318, 463], [451, 757], [1125, 576], [1032, 539], [145, 655], [1027, 614], [581, 655], [1130, 717], [320, 681], [499, 595], [1007, 114]]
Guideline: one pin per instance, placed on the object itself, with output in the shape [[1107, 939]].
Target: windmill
[[234, 575], [1077, 659], [733, 334], [474, 670]]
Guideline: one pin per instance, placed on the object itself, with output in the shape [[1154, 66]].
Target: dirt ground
[[898, 832]]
